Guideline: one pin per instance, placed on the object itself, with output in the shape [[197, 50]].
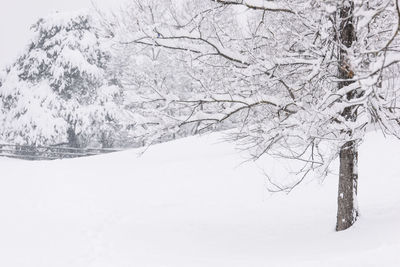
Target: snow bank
[[191, 203]]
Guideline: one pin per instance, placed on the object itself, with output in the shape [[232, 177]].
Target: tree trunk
[[347, 195], [72, 138], [348, 176]]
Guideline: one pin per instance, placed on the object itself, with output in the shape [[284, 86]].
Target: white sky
[[16, 16]]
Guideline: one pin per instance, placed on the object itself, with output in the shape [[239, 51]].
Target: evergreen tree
[[65, 69]]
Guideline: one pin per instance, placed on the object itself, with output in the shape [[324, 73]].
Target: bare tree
[[298, 79]]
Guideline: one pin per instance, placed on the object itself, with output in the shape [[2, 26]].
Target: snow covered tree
[[303, 79], [60, 89], [151, 91], [29, 113]]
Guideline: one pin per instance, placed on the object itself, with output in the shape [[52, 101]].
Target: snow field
[[192, 202]]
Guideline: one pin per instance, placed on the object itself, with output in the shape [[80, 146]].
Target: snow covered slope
[[191, 203]]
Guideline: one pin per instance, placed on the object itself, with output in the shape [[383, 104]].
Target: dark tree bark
[[72, 138], [348, 176]]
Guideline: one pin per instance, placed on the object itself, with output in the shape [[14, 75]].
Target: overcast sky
[[16, 16]]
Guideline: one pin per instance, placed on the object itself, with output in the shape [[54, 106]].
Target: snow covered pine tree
[[59, 90], [303, 78]]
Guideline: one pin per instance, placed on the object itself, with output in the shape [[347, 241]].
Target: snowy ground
[[190, 203]]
